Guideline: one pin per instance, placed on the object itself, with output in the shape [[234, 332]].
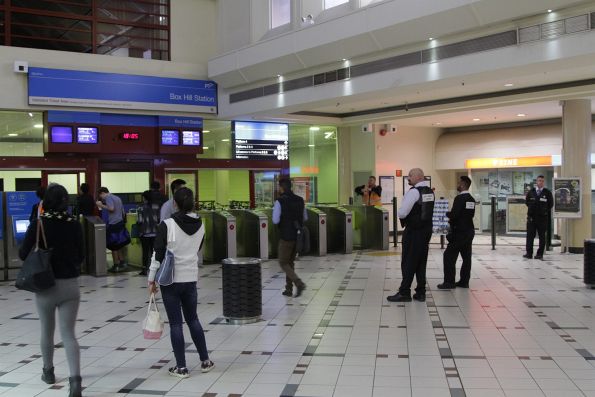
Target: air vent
[[470, 46], [543, 31]]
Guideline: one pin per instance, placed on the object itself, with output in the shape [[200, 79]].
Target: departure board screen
[[260, 141], [61, 134], [190, 138], [86, 135], [170, 137]]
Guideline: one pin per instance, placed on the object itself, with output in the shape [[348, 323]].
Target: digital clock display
[[130, 136]]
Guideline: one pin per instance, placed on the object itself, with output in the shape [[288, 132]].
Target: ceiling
[[20, 127]]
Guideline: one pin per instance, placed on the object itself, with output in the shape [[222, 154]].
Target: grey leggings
[[64, 296]]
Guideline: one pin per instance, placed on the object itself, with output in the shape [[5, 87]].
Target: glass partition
[[216, 139], [21, 134]]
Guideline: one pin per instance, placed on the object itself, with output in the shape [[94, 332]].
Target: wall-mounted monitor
[[86, 135], [191, 138], [260, 141], [170, 137], [60, 134]]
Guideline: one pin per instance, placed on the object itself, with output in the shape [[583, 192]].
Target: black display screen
[[260, 141]]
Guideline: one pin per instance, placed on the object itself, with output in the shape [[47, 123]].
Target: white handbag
[[152, 325]]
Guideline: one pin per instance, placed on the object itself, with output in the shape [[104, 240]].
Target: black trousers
[[536, 225], [414, 259], [147, 244], [459, 243]]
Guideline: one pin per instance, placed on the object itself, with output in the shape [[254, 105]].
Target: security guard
[[539, 202], [460, 238], [416, 216], [371, 193]]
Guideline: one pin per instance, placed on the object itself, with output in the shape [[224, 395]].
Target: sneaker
[[287, 292], [206, 366], [179, 372]]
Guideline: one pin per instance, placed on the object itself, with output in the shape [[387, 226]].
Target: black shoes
[[447, 286], [300, 289], [76, 387], [461, 284], [398, 298], [527, 256], [539, 257], [287, 292], [118, 268], [419, 297], [48, 376]]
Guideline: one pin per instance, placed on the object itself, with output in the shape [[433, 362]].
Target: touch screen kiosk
[[18, 210]]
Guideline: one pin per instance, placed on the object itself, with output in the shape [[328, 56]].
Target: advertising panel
[[567, 198]]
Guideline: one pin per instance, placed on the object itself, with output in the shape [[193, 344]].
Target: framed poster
[[387, 183], [516, 216], [567, 198], [406, 186], [440, 223]]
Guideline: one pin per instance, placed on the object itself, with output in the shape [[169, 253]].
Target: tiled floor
[[525, 328]]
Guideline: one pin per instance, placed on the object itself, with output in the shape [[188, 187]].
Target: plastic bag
[[152, 325]]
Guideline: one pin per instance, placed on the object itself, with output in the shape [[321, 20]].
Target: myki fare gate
[[370, 227], [339, 229], [2, 264], [252, 233], [220, 236], [18, 211], [273, 233], [316, 224]]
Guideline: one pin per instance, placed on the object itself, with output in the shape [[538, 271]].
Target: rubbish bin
[[242, 290], [589, 275]]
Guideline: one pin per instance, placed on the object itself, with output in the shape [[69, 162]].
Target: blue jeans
[[183, 296]]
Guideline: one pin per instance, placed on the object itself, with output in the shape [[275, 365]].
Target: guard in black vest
[[539, 201], [416, 216], [289, 212], [460, 237]]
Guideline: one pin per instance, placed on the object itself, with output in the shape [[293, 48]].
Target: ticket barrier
[[273, 233], [220, 235], [134, 250], [2, 239], [339, 229], [317, 224], [252, 233], [95, 250], [370, 227]]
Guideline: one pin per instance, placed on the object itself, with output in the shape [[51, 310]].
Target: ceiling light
[[508, 85], [225, 140], [311, 145], [38, 125], [205, 148], [205, 131], [431, 39], [476, 119], [13, 134], [438, 123], [521, 115], [344, 59], [30, 114], [279, 76], [549, 11], [314, 128]]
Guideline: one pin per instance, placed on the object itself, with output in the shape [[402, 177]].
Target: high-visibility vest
[[372, 199]]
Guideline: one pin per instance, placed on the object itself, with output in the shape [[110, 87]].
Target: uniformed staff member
[[416, 216], [460, 238], [539, 202], [371, 193]]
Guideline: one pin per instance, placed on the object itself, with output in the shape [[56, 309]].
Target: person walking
[[65, 238], [460, 237], [416, 216], [167, 209], [183, 235], [289, 213], [147, 221], [540, 202], [371, 193]]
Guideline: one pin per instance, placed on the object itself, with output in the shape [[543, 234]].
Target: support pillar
[[576, 162], [344, 164]]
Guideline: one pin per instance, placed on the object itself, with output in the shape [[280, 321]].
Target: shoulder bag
[[36, 274]]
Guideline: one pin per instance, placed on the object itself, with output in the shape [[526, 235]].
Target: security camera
[[21, 67], [366, 128]]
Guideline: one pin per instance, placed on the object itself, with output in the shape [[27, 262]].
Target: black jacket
[[461, 215], [292, 215], [85, 205], [539, 206], [147, 218], [420, 216], [66, 241], [188, 224]]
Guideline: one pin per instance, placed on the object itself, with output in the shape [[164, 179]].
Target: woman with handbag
[[181, 238], [65, 242]]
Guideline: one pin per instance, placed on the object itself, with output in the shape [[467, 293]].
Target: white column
[[576, 162]]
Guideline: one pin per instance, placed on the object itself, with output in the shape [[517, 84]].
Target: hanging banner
[[567, 198]]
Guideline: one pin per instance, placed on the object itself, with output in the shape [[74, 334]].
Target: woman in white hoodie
[[183, 235]]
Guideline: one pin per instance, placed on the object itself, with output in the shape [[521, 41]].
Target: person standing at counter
[[168, 208], [289, 213], [539, 202], [116, 232], [416, 216], [371, 193]]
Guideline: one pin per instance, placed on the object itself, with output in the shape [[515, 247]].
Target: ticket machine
[[2, 241], [18, 210]]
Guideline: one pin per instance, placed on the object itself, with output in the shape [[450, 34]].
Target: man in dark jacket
[[85, 203], [460, 238], [371, 193], [539, 202], [289, 213]]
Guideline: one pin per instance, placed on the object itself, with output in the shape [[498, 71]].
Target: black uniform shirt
[[462, 213], [539, 205]]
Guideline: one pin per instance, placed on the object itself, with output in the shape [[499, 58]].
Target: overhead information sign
[[261, 141], [57, 87]]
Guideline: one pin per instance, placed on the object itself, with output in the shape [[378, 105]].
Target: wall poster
[[567, 198], [387, 183], [518, 183]]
